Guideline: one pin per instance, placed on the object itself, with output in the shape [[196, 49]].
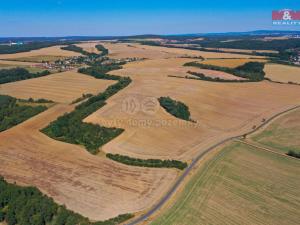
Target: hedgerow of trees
[[104, 51], [28, 206], [16, 74], [252, 71], [175, 108], [12, 114], [294, 154], [71, 129], [157, 163], [11, 49], [75, 48]]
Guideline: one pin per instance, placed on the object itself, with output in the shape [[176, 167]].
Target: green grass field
[[283, 134], [240, 185]]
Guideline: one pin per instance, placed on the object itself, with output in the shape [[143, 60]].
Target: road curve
[[172, 190]]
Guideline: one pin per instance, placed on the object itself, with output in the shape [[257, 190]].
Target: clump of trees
[[252, 71], [83, 97], [100, 72], [104, 51], [28, 206], [71, 129], [40, 100], [75, 48], [294, 154], [175, 108], [157, 163], [12, 114], [16, 74]]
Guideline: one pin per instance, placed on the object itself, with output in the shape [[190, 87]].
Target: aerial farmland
[[150, 130]]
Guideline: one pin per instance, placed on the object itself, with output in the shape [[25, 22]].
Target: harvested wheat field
[[14, 63], [60, 87], [89, 47], [172, 67], [39, 58], [283, 73], [4, 64], [130, 50], [232, 63], [283, 134], [216, 74], [93, 186], [50, 51], [240, 185], [221, 110]]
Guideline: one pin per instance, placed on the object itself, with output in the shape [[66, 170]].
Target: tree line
[[78, 49], [252, 71], [11, 49], [28, 206], [11, 113], [294, 154], [16, 74], [175, 108], [157, 163], [70, 128]]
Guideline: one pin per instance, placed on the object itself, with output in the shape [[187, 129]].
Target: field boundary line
[[254, 145]]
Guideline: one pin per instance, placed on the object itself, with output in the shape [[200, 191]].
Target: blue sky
[[125, 17]]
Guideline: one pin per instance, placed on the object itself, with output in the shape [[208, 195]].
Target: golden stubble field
[[60, 87], [283, 73], [91, 185], [130, 50], [232, 63], [221, 110], [99, 188], [89, 47]]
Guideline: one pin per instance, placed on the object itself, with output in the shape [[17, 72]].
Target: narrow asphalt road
[[173, 189]]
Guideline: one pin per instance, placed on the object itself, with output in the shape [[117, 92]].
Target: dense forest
[[71, 129], [28, 206], [175, 108], [11, 49], [11, 113], [157, 163], [15, 74], [252, 71]]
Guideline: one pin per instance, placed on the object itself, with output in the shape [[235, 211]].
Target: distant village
[[78, 61]]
